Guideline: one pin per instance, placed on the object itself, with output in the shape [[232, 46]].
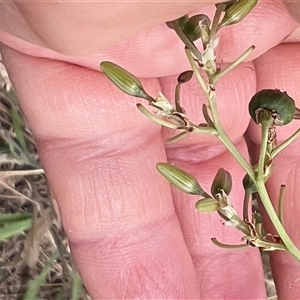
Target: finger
[[222, 273], [280, 68], [160, 52], [99, 154]]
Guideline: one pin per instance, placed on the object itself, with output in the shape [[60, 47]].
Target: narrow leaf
[[15, 228]]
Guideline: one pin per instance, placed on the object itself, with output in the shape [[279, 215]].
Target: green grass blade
[[18, 128], [76, 286], [35, 285], [11, 218], [14, 228]]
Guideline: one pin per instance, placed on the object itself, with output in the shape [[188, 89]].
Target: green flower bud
[[180, 178], [221, 182], [279, 104], [207, 205], [197, 27], [236, 12], [181, 21], [124, 80], [248, 184]]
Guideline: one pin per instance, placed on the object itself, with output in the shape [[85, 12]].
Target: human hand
[[130, 235]]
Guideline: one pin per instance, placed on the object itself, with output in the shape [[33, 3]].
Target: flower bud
[[236, 12], [181, 179], [249, 185], [185, 77], [181, 21], [279, 104], [124, 80], [197, 27], [207, 205], [221, 182]]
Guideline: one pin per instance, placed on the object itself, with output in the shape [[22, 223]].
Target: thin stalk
[[156, 119], [21, 172], [186, 41], [246, 205], [177, 137], [266, 122], [215, 23], [177, 98], [280, 204], [206, 130], [226, 246], [213, 108], [215, 78], [265, 199], [200, 79], [286, 143]]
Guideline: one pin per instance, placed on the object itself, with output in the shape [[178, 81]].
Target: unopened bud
[[221, 182], [198, 27], [279, 104], [207, 205], [249, 184], [236, 12], [124, 80], [180, 178], [185, 77]]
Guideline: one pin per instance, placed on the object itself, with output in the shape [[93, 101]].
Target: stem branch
[[289, 245]]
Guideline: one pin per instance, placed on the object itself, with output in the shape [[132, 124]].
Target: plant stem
[[286, 143], [5, 174], [186, 41], [289, 245], [280, 204], [226, 246], [213, 108], [266, 123], [214, 26], [218, 76], [246, 205]]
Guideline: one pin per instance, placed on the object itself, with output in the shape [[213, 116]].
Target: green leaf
[[7, 231], [11, 218], [35, 285], [180, 178], [76, 285], [221, 182], [17, 124]]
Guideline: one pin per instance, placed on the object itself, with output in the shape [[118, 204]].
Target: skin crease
[[131, 236]]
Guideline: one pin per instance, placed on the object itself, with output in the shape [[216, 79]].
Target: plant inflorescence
[[268, 108]]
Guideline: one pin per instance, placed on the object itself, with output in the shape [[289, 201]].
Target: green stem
[[226, 246], [186, 41], [266, 123], [289, 245], [214, 26], [230, 67], [246, 205], [210, 95], [286, 143], [280, 204]]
